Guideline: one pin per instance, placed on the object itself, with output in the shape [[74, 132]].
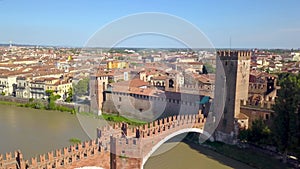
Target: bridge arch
[[165, 139]]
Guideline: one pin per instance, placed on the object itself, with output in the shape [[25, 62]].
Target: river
[[191, 156], [39, 131], [36, 131]]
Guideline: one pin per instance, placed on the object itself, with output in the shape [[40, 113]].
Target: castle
[[120, 146]]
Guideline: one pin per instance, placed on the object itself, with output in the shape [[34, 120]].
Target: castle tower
[[125, 153], [232, 81], [98, 85], [171, 83]]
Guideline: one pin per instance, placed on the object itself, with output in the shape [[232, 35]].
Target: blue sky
[[255, 23]]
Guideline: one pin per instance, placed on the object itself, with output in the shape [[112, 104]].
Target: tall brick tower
[[232, 81], [98, 85]]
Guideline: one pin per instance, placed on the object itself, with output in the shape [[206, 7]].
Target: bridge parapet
[[69, 157], [117, 146], [169, 124], [12, 160]]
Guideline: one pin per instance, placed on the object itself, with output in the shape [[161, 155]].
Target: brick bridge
[[117, 146]]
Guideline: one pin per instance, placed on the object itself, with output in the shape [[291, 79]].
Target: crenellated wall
[[12, 160], [204, 90], [259, 88], [265, 103], [86, 153], [234, 55], [69, 157], [117, 146]]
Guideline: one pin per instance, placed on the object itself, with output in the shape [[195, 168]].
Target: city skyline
[[236, 24]]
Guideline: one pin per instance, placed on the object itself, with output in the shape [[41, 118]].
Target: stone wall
[[143, 107], [255, 113], [14, 99]]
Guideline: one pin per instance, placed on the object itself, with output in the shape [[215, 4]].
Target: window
[[120, 99], [171, 83], [267, 116]]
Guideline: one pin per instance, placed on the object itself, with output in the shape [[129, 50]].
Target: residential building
[[7, 84], [23, 87]]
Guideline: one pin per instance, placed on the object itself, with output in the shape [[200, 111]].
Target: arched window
[[171, 83]]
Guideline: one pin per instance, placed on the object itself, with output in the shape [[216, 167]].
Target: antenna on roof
[[229, 42]]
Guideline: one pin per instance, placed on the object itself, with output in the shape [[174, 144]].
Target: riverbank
[[35, 104], [115, 118], [9, 103], [42, 104], [245, 155]]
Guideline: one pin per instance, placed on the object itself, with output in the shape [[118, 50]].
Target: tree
[[208, 68], [69, 95], [259, 133], [204, 70], [81, 88], [286, 126], [51, 99]]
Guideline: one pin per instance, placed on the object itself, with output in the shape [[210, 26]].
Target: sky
[[225, 23]]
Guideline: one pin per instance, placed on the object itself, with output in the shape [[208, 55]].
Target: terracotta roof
[[131, 83], [241, 116], [140, 91], [205, 78]]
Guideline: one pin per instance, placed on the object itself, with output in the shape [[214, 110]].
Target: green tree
[[111, 81], [81, 88], [259, 133], [208, 68], [69, 95], [204, 70], [286, 126], [51, 99]]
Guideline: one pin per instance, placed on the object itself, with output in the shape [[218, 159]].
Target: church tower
[[232, 81]]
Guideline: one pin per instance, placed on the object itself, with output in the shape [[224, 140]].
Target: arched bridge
[[117, 147], [131, 147]]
